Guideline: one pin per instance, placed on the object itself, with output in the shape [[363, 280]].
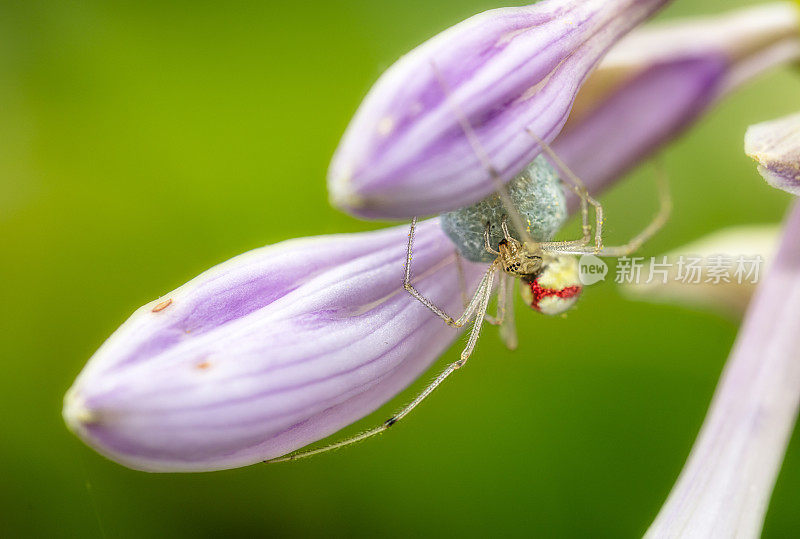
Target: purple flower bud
[[725, 487], [267, 352], [504, 71], [660, 79], [775, 146]]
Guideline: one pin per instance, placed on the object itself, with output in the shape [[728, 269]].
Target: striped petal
[[268, 352]]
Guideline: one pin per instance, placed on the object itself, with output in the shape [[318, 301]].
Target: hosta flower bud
[[775, 146], [503, 72], [267, 352], [660, 79]]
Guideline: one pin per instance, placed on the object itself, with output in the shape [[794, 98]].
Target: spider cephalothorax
[[518, 260], [550, 283]]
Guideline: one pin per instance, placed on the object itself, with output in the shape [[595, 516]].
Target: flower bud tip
[[76, 414]]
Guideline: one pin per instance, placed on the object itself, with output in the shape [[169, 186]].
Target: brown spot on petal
[[163, 305], [203, 365]]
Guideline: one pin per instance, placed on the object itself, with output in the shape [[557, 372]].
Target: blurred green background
[[143, 142]]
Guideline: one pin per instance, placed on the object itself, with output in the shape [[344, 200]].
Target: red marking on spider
[[539, 292]]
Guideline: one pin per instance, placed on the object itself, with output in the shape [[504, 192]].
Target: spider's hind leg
[[499, 186], [484, 293]]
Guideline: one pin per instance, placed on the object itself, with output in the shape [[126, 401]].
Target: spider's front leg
[[660, 219], [487, 242], [474, 303], [579, 188], [665, 209]]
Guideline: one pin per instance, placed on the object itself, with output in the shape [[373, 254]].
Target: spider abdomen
[[536, 193], [555, 289]]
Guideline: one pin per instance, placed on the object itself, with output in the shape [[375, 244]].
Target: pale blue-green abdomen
[[538, 195]]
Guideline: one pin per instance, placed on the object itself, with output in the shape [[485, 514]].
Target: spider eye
[[555, 289]]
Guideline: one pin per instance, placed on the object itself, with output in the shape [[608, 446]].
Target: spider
[[548, 271]]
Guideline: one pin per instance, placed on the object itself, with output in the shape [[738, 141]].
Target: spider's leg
[[486, 290], [479, 316], [505, 311], [483, 157], [462, 280], [508, 330], [579, 188], [409, 287], [487, 242], [655, 225], [501, 303], [504, 227]]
